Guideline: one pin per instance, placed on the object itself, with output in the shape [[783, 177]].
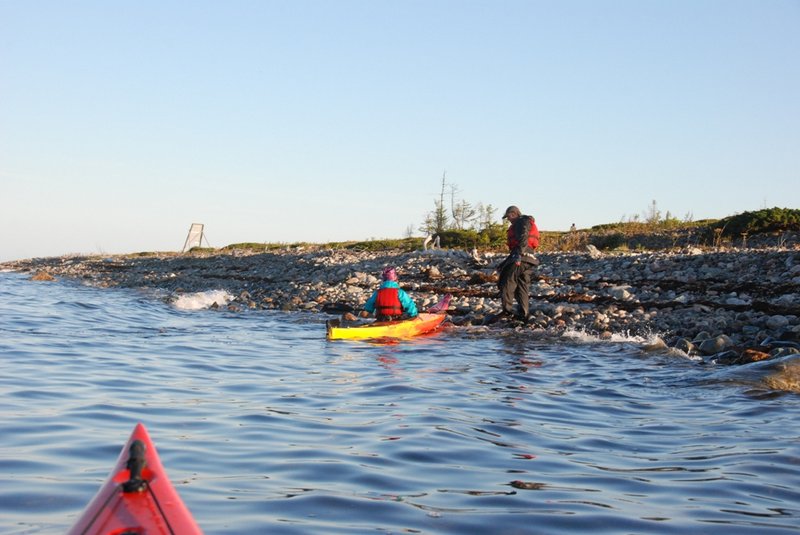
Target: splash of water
[[202, 300], [580, 335]]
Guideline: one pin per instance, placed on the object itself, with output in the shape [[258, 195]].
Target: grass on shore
[[655, 234]]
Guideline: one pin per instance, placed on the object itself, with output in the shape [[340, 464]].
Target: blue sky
[[122, 123]]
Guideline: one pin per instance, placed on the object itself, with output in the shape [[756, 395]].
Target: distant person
[[389, 301], [516, 270], [572, 228]]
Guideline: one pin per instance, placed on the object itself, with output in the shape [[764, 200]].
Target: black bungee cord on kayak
[[136, 483], [136, 463]]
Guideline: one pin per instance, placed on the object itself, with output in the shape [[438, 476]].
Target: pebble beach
[[730, 306]]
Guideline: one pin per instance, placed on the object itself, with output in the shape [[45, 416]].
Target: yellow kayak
[[423, 323]]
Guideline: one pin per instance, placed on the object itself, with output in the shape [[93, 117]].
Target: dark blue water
[[264, 426]]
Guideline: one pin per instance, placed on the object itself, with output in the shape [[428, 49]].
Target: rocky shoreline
[[721, 307]]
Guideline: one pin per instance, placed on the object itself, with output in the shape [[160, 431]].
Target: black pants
[[515, 283]]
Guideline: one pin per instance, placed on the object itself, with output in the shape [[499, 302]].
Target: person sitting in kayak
[[389, 301]]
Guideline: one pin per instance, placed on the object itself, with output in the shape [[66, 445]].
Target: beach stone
[[433, 273], [42, 276], [701, 336], [593, 252], [783, 351], [735, 301], [620, 293], [715, 345], [777, 322], [788, 300], [783, 373], [656, 344], [753, 355], [352, 290], [727, 358], [685, 345]]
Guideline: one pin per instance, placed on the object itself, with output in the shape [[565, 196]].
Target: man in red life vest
[[516, 270], [389, 301]]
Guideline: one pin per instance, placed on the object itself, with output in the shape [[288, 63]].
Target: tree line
[[459, 223]]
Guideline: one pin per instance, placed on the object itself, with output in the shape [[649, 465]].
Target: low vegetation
[[767, 220], [668, 232], [648, 233]]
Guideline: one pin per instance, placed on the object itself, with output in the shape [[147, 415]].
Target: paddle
[[441, 306]]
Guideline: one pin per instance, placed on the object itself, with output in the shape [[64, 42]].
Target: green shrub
[[459, 239], [493, 236], [611, 241], [405, 244], [262, 247], [248, 246], [489, 238], [767, 220]]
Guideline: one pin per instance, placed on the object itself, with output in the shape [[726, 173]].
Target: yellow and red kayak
[[137, 497], [421, 324]]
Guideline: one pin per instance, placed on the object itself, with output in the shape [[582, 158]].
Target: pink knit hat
[[389, 274]]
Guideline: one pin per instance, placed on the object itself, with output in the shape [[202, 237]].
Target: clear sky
[[122, 123]]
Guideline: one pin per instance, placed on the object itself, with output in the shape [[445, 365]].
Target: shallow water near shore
[[265, 426]]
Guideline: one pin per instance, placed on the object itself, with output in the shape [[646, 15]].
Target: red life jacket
[[388, 303], [533, 235]]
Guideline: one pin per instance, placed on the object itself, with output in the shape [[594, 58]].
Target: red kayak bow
[[137, 497]]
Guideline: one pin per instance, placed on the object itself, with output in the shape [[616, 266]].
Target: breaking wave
[[202, 300]]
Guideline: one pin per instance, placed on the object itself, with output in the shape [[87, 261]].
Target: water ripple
[[266, 427]]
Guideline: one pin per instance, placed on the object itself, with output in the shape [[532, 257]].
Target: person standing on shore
[[516, 270], [389, 301]]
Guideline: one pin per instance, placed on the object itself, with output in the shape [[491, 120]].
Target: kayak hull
[[130, 504], [423, 323]]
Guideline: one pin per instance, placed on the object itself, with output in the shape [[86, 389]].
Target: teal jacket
[[409, 307]]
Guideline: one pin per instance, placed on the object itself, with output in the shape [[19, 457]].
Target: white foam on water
[[202, 300], [582, 336]]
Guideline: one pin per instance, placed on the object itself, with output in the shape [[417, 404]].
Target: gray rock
[[777, 322], [620, 293], [716, 345], [686, 346], [783, 351], [593, 251]]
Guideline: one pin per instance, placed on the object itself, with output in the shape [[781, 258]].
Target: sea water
[[264, 426]]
